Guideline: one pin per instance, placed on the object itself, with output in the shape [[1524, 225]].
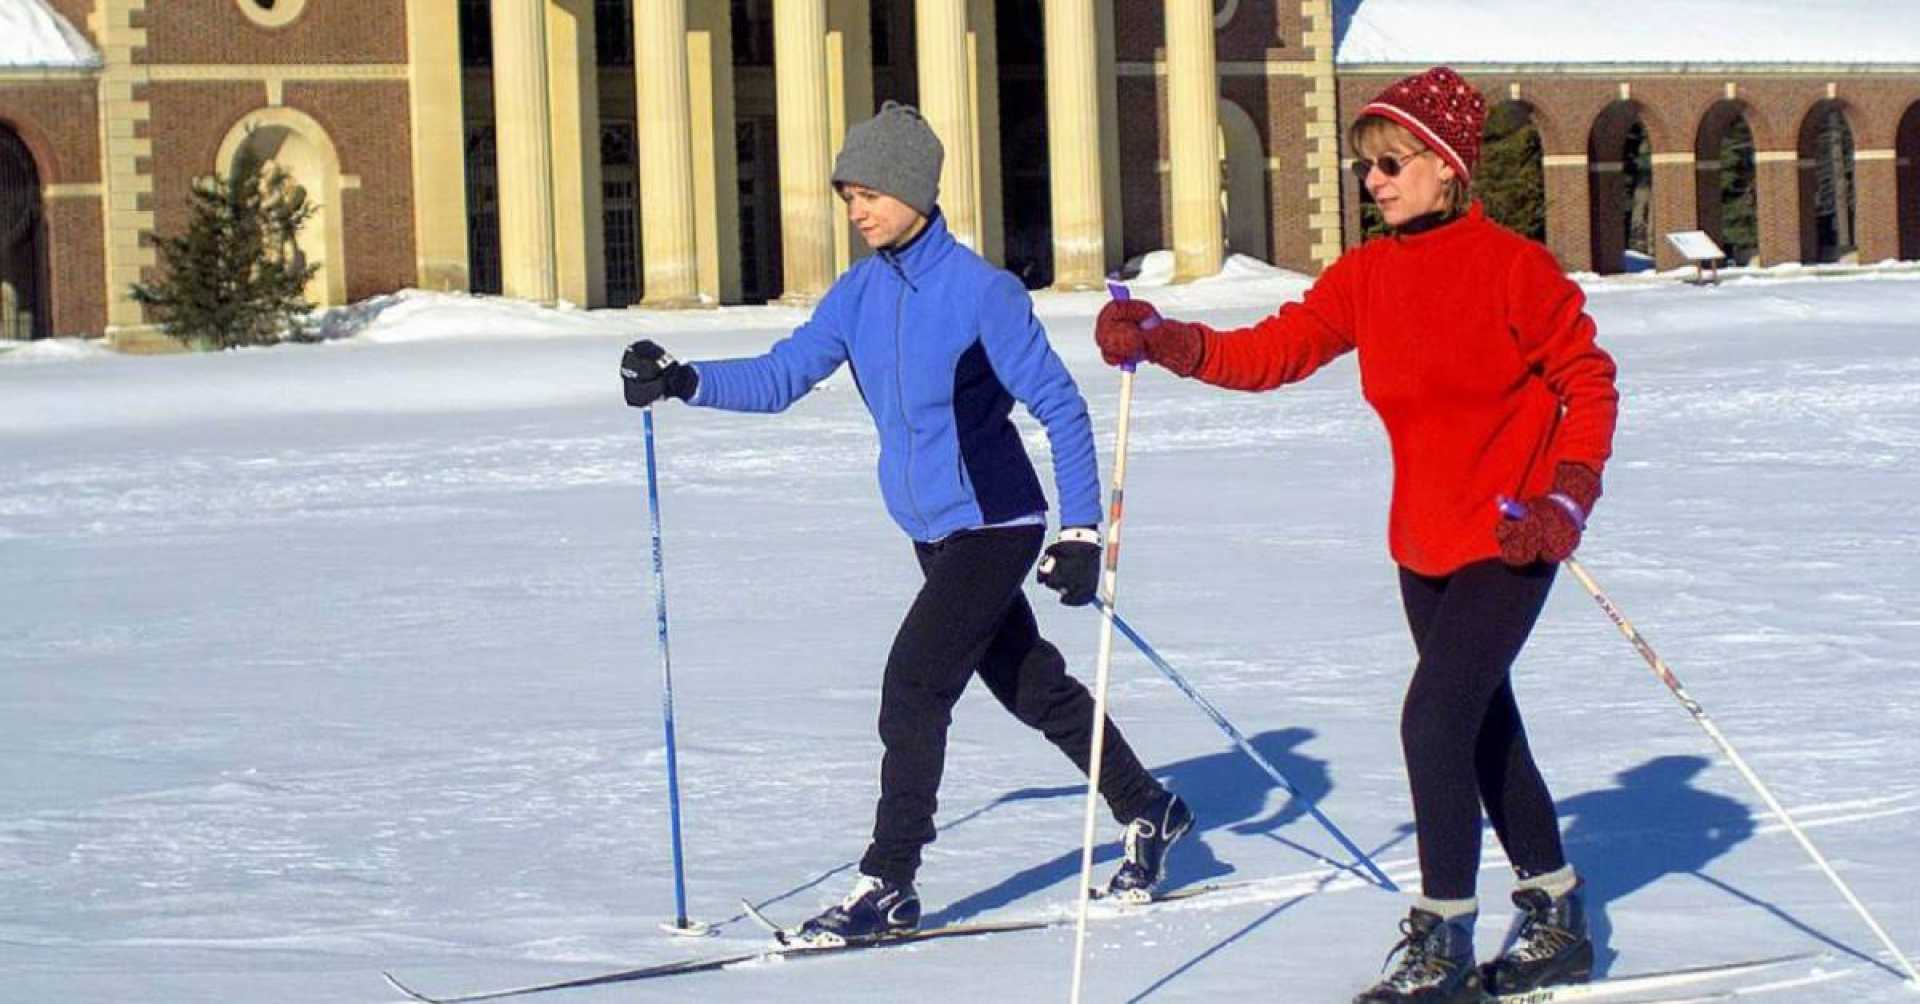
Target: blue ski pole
[[1360, 856], [681, 925]]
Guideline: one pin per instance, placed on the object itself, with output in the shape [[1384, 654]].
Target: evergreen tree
[[236, 277], [1511, 182]]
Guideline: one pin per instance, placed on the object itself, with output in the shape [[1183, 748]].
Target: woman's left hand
[[1071, 565], [1550, 526]]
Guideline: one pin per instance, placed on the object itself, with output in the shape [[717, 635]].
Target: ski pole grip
[[1510, 508], [1119, 292]]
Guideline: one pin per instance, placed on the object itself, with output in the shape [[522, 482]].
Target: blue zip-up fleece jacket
[[941, 344]]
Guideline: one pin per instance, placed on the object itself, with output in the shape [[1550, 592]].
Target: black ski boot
[[1436, 964], [874, 909], [1148, 839], [1551, 946]]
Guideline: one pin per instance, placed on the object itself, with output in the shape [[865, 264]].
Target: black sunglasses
[[1389, 165]]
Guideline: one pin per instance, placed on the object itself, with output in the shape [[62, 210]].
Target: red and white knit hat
[[1440, 108]]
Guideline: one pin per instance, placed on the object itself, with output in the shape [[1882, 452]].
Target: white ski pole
[[1512, 509], [1699, 714], [1110, 582]]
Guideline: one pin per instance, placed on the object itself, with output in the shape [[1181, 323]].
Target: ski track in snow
[[355, 670]]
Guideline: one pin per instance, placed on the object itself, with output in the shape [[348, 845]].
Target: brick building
[[518, 146]]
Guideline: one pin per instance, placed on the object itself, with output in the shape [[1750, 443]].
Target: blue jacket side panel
[[1017, 347], [993, 460]]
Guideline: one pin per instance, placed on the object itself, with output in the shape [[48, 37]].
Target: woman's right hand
[[1129, 331]]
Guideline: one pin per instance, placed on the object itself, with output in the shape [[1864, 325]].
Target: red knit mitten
[[1550, 529], [1131, 330]]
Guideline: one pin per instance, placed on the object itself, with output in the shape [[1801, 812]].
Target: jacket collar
[[918, 256], [1436, 226]]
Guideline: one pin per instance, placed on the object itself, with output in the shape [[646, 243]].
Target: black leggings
[[971, 617], [1461, 730]]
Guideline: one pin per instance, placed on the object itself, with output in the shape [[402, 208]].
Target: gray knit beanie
[[894, 152]]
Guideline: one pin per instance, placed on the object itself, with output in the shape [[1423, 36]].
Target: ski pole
[[1512, 509], [1360, 857], [1110, 576], [681, 925]]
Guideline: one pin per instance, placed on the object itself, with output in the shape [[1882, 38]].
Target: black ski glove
[[1071, 565], [650, 374]]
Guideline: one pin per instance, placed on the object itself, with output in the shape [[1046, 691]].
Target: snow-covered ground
[[326, 659]]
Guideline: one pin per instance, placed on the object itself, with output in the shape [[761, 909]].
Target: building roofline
[[18, 72]]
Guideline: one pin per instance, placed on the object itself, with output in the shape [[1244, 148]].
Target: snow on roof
[[31, 34], [1627, 31]]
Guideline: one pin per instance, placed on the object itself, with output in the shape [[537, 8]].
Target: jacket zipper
[[899, 387]]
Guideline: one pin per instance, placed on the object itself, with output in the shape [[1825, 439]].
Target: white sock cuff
[[1556, 883], [1448, 909]]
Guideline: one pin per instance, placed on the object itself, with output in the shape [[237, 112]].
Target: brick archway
[[1511, 180], [1725, 194], [1827, 199], [1906, 151], [1610, 195], [24, 306]]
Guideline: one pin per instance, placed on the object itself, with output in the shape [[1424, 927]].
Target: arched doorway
[[23, 247], [1243, 170], [1906, 147], [1826, 185], [1620, 187], [1511, 181], [1727, 207]]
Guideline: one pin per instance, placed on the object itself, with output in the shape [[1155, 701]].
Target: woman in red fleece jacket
[[1476, 352]]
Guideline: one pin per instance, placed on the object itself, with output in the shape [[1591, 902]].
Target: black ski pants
[[971, 617], [1460, 727]]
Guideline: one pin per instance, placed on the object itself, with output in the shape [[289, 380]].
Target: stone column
[[1193, 116], [437, 130], [669, 256], [806, 168], [1073, 145], [1675, 205], [1776, 189], [1109, 88], [716, 165], [850, 68], [573, 93], [946, 99], [1569, 214], [525, 143]]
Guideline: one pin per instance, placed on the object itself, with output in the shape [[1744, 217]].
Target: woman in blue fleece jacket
[[941, 345]]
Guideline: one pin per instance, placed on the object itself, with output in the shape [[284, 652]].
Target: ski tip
[[753, 913], [395, 983]]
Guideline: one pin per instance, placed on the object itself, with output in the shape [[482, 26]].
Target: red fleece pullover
[[1476, 352]]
